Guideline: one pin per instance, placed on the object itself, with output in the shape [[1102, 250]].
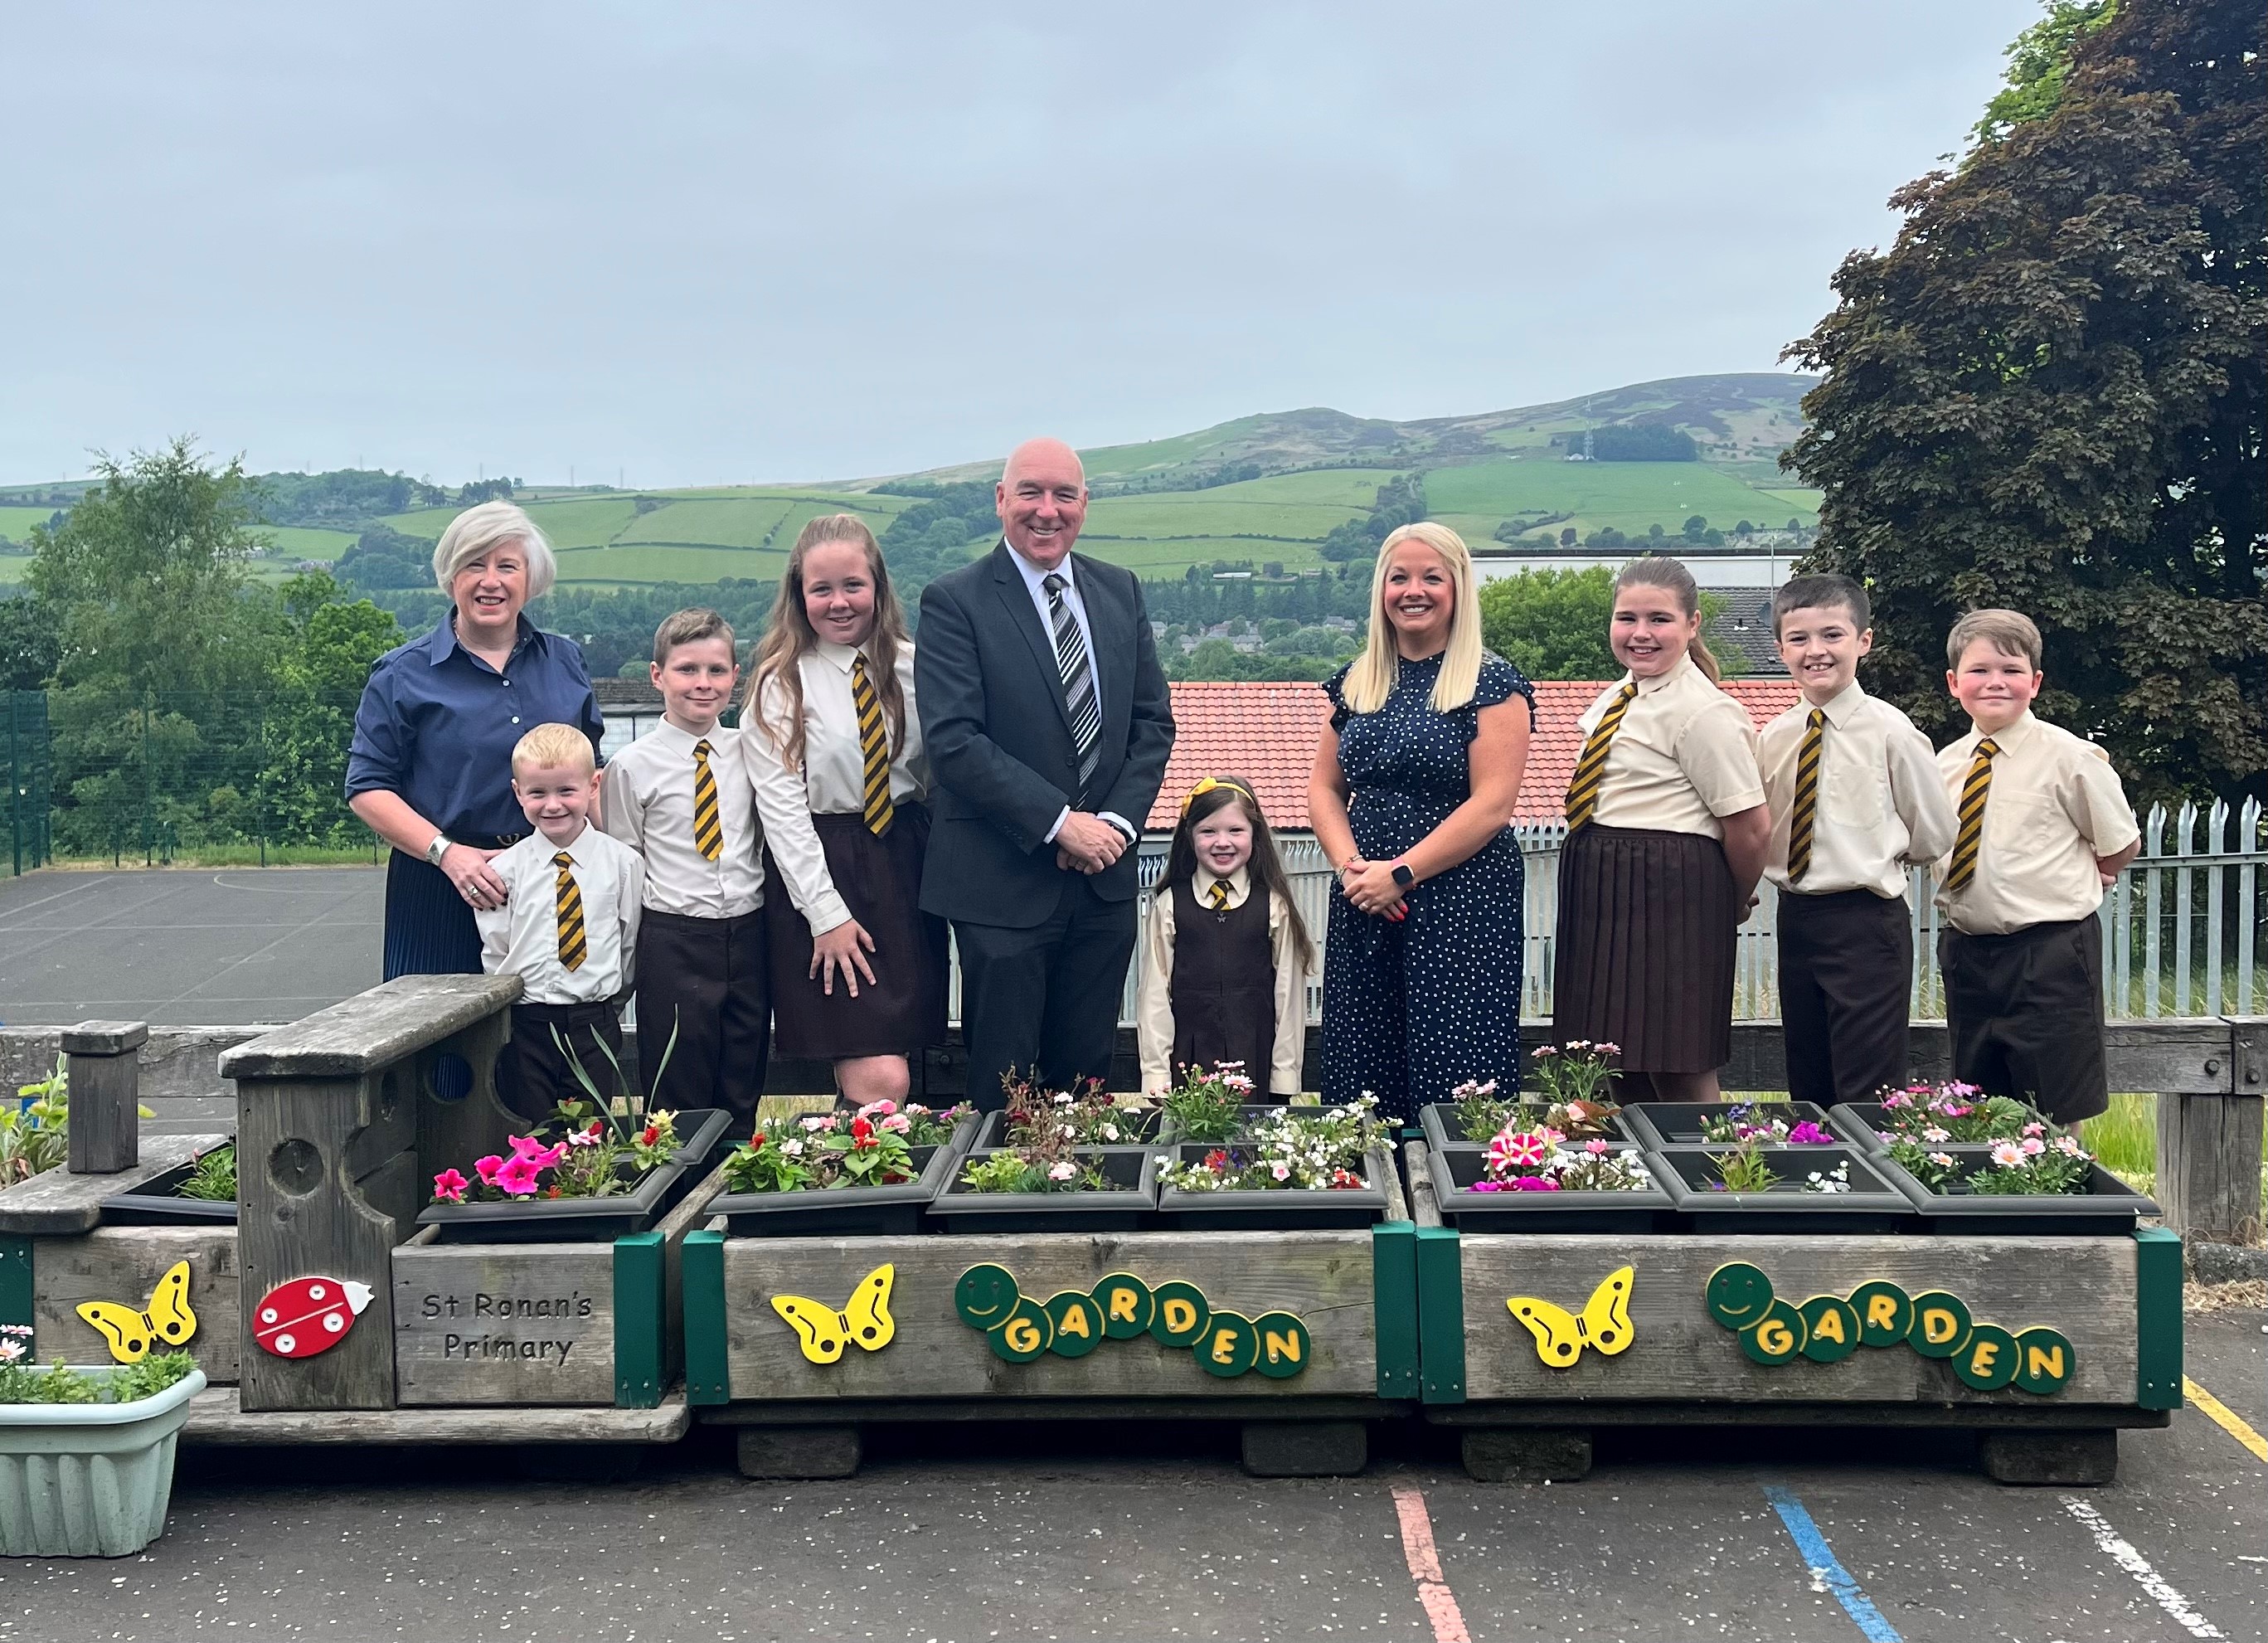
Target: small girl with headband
[[1224, 973]]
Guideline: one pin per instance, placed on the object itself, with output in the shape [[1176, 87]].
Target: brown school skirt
[[1644, 960], [902, 1009]]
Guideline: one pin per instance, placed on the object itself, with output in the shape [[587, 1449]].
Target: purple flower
[[1810, 1134]]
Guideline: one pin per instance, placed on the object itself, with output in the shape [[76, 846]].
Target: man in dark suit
[[1048, 723]]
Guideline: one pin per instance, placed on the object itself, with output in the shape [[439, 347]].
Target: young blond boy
[[568, 927], [1855, 800], [2043, 825], [680, 797]]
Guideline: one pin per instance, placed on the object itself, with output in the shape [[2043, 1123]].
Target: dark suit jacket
[[1002, 761]]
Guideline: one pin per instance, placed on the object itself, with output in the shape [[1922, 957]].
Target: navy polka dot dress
[[1411, 1010]]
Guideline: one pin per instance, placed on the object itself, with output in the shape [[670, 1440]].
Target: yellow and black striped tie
[[707, 828], [1219, 893], [874, 748], [1807, 797], [1975, 789], [1591, 768], [572, 947]]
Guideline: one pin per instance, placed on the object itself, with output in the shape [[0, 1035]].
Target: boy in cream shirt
[[1855, 799], [2043, 826]]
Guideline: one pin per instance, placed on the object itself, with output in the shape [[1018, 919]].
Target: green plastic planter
[[89, 1480]]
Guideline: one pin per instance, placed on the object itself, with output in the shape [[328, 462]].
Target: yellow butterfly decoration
[[1560, 1336], [167, 1320], [865, 1318]]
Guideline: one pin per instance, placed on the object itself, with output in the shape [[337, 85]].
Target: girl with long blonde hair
[[1411, 795], [835, 754]]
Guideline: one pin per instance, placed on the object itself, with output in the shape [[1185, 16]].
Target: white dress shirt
[[1879, 804], [1153, 1007], [2054, 805], [1683, 755], [521, 937], [1034, 576], [648, 806], [833, 779]]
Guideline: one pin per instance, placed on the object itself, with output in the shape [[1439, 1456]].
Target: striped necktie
[[1975, 789], [1591, 768], [572, 947], [1219, 893], [708, 831], [1077, 679], [874, 748], [1806, 797]]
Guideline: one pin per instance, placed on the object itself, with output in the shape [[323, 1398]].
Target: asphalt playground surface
[[187, 946], [1036, 1531]]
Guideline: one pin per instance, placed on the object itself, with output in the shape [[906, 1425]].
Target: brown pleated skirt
[[1643, 958], [902, 1009]]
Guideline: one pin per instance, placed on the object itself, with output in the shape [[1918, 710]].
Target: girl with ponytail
[[1667, 831]]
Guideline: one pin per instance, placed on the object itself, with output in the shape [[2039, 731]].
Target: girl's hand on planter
[[841, 948]]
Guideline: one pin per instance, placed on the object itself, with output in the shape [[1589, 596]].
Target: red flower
[[1216, 1161], [862, 1134], [653, 1134], [756, 1141]]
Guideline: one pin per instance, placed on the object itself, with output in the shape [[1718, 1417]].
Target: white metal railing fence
[[2184, 929]]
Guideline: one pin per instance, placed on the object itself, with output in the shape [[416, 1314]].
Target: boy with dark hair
[[1855, 799], [679, 796], [2043, 826]]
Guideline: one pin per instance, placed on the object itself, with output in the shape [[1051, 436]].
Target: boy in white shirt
[[568, 928], [679, 796], [1855, 800], [2043, 826]]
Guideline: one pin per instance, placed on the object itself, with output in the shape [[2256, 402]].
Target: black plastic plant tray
[[587, 1220], [1872, 1205], [1861, 1122], [1138, 1126], [1439, 1120], [2107, 1206], [157, 1202], [1134, 1169], [1288, 1210], [841, 1211], [1678, 1122], [1469, 1211]]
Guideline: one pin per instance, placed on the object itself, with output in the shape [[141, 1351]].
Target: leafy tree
[[1567, 536], [1695, 528], [1552, 625], [1648, 442], [1399, 502], [321, 660], [29, 644], [2038, 61], [2048, 394]]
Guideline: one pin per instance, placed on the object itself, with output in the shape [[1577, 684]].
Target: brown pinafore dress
[[1224, 984]]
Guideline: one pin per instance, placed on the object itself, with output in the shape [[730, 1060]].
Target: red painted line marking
[[1433, 1594]]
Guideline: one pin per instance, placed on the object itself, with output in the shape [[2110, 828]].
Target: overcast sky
[[714, 244]]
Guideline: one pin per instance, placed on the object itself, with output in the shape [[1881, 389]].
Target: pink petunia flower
[[449, 1187], [1596, 1148], [2034, 1146], [878, 1109], [1533, 1183], [486, 1168], [896, 1123], [517, 1177]]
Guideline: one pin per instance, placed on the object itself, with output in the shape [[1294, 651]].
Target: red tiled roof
[[1266, 733]]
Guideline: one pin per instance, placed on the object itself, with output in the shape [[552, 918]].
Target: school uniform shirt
[[833, 779], [1684, 755], [1153, 1009], [1879, 806], [521, 937], [2054, 805], [648, 804]]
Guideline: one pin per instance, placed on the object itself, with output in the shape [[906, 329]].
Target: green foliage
[[1646, 442], [384, 557], [23, 1382], [213, 1177], [1206, 1107], [2038, 61], [1399, 502], [345, 496], [1552, 625], [30, 646], [2048, 395], [130, 1383], [35, 1132]]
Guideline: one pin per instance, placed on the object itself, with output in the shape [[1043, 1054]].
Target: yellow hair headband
[[1211, 782]]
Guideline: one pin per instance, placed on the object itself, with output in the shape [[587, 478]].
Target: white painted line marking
[[1433, 1594], [2121, 1551]]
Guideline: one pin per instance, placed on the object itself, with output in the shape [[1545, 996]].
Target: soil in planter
[[848, 1211], [1636, 1211], [2107, 1206], [1871, 1205], [1678, 1122], [1131, 1203]]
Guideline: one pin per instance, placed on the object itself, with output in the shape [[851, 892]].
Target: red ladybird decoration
[[308, 1315]]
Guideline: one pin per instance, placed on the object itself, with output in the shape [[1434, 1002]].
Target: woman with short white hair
[[431, 767]]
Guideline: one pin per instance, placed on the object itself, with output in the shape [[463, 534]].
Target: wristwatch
[[437, 849], [1403, 877]]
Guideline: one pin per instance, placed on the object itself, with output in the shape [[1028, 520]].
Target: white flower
[[1067, 1132], [2069, 1147], [1282, 1172], [1062, 1098], [815, 1122], [1109, 1132], [11, 1351], [793, 1149], [2007, 1154], [1943, 1160], [1063, 1171], [1931, 1132]]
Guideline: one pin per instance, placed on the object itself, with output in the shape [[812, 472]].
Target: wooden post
[[2209, 1137], [106, 1095], [329, 1113]]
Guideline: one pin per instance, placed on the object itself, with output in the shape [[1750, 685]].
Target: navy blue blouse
[[437, 725]]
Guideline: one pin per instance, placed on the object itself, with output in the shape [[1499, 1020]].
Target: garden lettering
[[1828, 1329], [493, 1308], [1122, 1307]]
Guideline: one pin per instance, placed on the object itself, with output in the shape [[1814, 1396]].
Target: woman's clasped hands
[[1370, 886]]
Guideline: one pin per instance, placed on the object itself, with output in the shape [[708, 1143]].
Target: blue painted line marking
[[1821, 1557]]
